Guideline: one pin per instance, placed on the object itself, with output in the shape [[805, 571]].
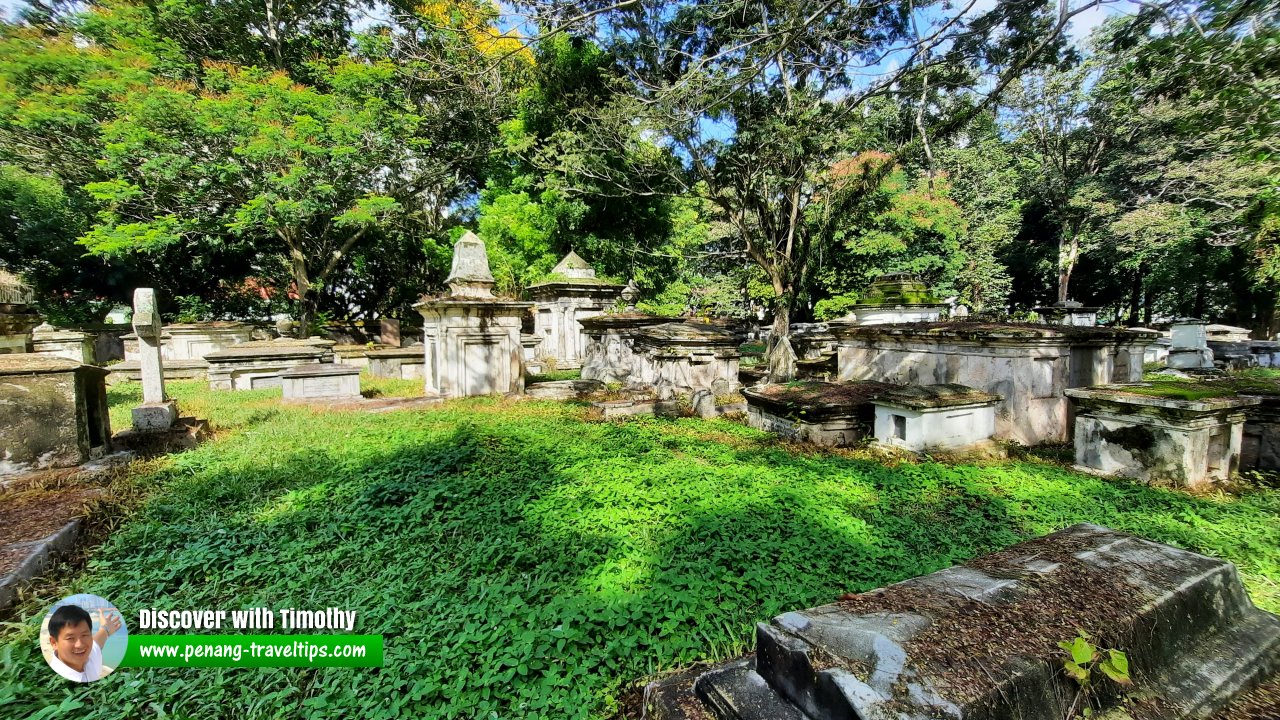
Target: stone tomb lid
[[206, 325], [625, 319], [1143, 395], [815, 399], [945, 395], [320, 370], [687, 333], [977, 330], [35, 363], [250, 351], [409, 351]]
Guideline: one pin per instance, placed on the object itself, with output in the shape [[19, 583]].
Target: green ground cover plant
[[524, 561]]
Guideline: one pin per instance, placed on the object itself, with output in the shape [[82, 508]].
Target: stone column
[[157, 412]]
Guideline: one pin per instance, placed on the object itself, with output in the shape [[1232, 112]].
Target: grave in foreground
[[979, 641], [53, 412]]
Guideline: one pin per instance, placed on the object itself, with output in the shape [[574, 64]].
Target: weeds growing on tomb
[[525, 562]]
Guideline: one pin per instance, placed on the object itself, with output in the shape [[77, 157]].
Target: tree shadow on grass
[[525, 567]]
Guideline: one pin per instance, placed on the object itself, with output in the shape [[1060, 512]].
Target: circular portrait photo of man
[[83, 638]]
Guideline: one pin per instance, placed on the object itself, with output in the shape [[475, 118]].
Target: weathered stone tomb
[[53, 412], [320, 381], [1069, 312], [897, 298], [610, 351], [824, 413], [405, 363], [58, 342], [471, 340], [17, 317], [257, 365], [192, 341], [934, 417], [560, 304], [1027, 366], [680, 358], [979, 641], [1189, 345], [1158, 439]]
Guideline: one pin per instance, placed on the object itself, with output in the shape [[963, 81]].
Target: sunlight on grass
[[556, 559]]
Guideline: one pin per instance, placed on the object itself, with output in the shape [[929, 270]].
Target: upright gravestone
[[157, 412], [1189, 345]]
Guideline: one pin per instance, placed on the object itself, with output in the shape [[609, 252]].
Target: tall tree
[[760, 101], [1062, 149]]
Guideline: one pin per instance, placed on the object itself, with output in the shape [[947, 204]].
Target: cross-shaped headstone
[[146, 325], [157, 412]]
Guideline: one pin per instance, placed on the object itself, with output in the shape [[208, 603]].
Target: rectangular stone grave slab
[[405, 363], [253, 366], [825, 413], [327, 381], [929, 417], [980, 641], [1158, 439]]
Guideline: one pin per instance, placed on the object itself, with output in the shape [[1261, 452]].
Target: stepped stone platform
[[979, 641]]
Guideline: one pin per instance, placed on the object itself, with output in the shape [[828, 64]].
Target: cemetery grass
[[524, 561]]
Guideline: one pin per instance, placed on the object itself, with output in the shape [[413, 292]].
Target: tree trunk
[[1068, 253], [302, 286], [782, 357], [1135, 296]]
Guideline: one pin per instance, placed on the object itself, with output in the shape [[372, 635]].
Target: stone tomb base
[[327, 381], [131, 371], [53, 413], [255, 367], [155, 417], [1158, 439], [405, 363], [832, 414], [980, 641], [935, 417]]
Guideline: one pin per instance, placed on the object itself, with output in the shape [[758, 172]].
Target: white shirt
[[92, 666]]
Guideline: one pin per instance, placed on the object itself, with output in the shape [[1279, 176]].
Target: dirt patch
[[33, 515], [1263, 703], [11, 558]]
